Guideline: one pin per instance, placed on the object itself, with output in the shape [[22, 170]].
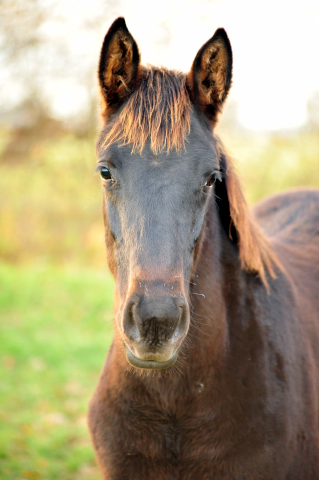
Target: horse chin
[[149, 364]]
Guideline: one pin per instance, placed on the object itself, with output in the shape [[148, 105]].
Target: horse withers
[[213, 369]]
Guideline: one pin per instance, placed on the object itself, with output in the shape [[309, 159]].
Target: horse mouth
[[149, 364]]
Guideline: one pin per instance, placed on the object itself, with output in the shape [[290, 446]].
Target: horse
[[214, 366]]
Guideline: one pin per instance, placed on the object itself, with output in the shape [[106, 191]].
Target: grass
[[55, 332]]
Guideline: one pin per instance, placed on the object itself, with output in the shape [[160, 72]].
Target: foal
[[213, 369]]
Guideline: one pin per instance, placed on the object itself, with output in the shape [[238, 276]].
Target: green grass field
[[55, 331], [56, 294]]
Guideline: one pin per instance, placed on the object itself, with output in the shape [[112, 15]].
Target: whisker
[[202, 323], [198, 314], [200, 330]]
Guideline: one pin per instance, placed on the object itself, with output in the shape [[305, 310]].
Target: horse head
[[159, 162]]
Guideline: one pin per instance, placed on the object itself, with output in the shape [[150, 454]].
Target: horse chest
[[197, 439], [188, 448], [167, 444], [164, 449]]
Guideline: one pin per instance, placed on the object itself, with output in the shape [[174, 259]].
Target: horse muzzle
[[154, 327]]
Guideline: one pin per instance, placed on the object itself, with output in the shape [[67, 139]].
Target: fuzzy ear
[[210, 77], [119, 65]]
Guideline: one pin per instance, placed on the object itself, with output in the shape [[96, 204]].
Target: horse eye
[[216, 175], [105, 174], [211, 181]]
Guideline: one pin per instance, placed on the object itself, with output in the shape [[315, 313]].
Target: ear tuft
[[119, 65], [210, 77]]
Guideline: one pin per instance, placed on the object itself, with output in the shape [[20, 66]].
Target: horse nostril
[[129, 324], [155, 320]]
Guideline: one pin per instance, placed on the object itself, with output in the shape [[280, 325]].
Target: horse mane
[[255, 252], [159, 109]]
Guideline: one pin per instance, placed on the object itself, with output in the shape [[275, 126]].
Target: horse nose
[[153, 319]]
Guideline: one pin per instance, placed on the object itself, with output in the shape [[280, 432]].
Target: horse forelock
[[158, 109]]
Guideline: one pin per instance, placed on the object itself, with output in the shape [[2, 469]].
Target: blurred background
[[55, 290]]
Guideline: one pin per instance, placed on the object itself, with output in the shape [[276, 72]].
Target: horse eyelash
[[218, 175], [99, 168]]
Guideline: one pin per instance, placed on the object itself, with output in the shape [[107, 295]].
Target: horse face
[[154, 210], [158, 162]]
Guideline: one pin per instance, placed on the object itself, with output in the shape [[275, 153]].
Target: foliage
[[48, 61], [271, 163], [50, 205]]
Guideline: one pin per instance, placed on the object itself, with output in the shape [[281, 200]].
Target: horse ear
[[119, 65], [210, 77]]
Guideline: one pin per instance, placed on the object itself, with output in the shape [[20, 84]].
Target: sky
[[275, 48]]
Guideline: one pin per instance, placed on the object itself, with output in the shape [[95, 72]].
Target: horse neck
[[216, 284]]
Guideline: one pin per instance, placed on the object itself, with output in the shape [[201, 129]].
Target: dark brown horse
[[213, 370]]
